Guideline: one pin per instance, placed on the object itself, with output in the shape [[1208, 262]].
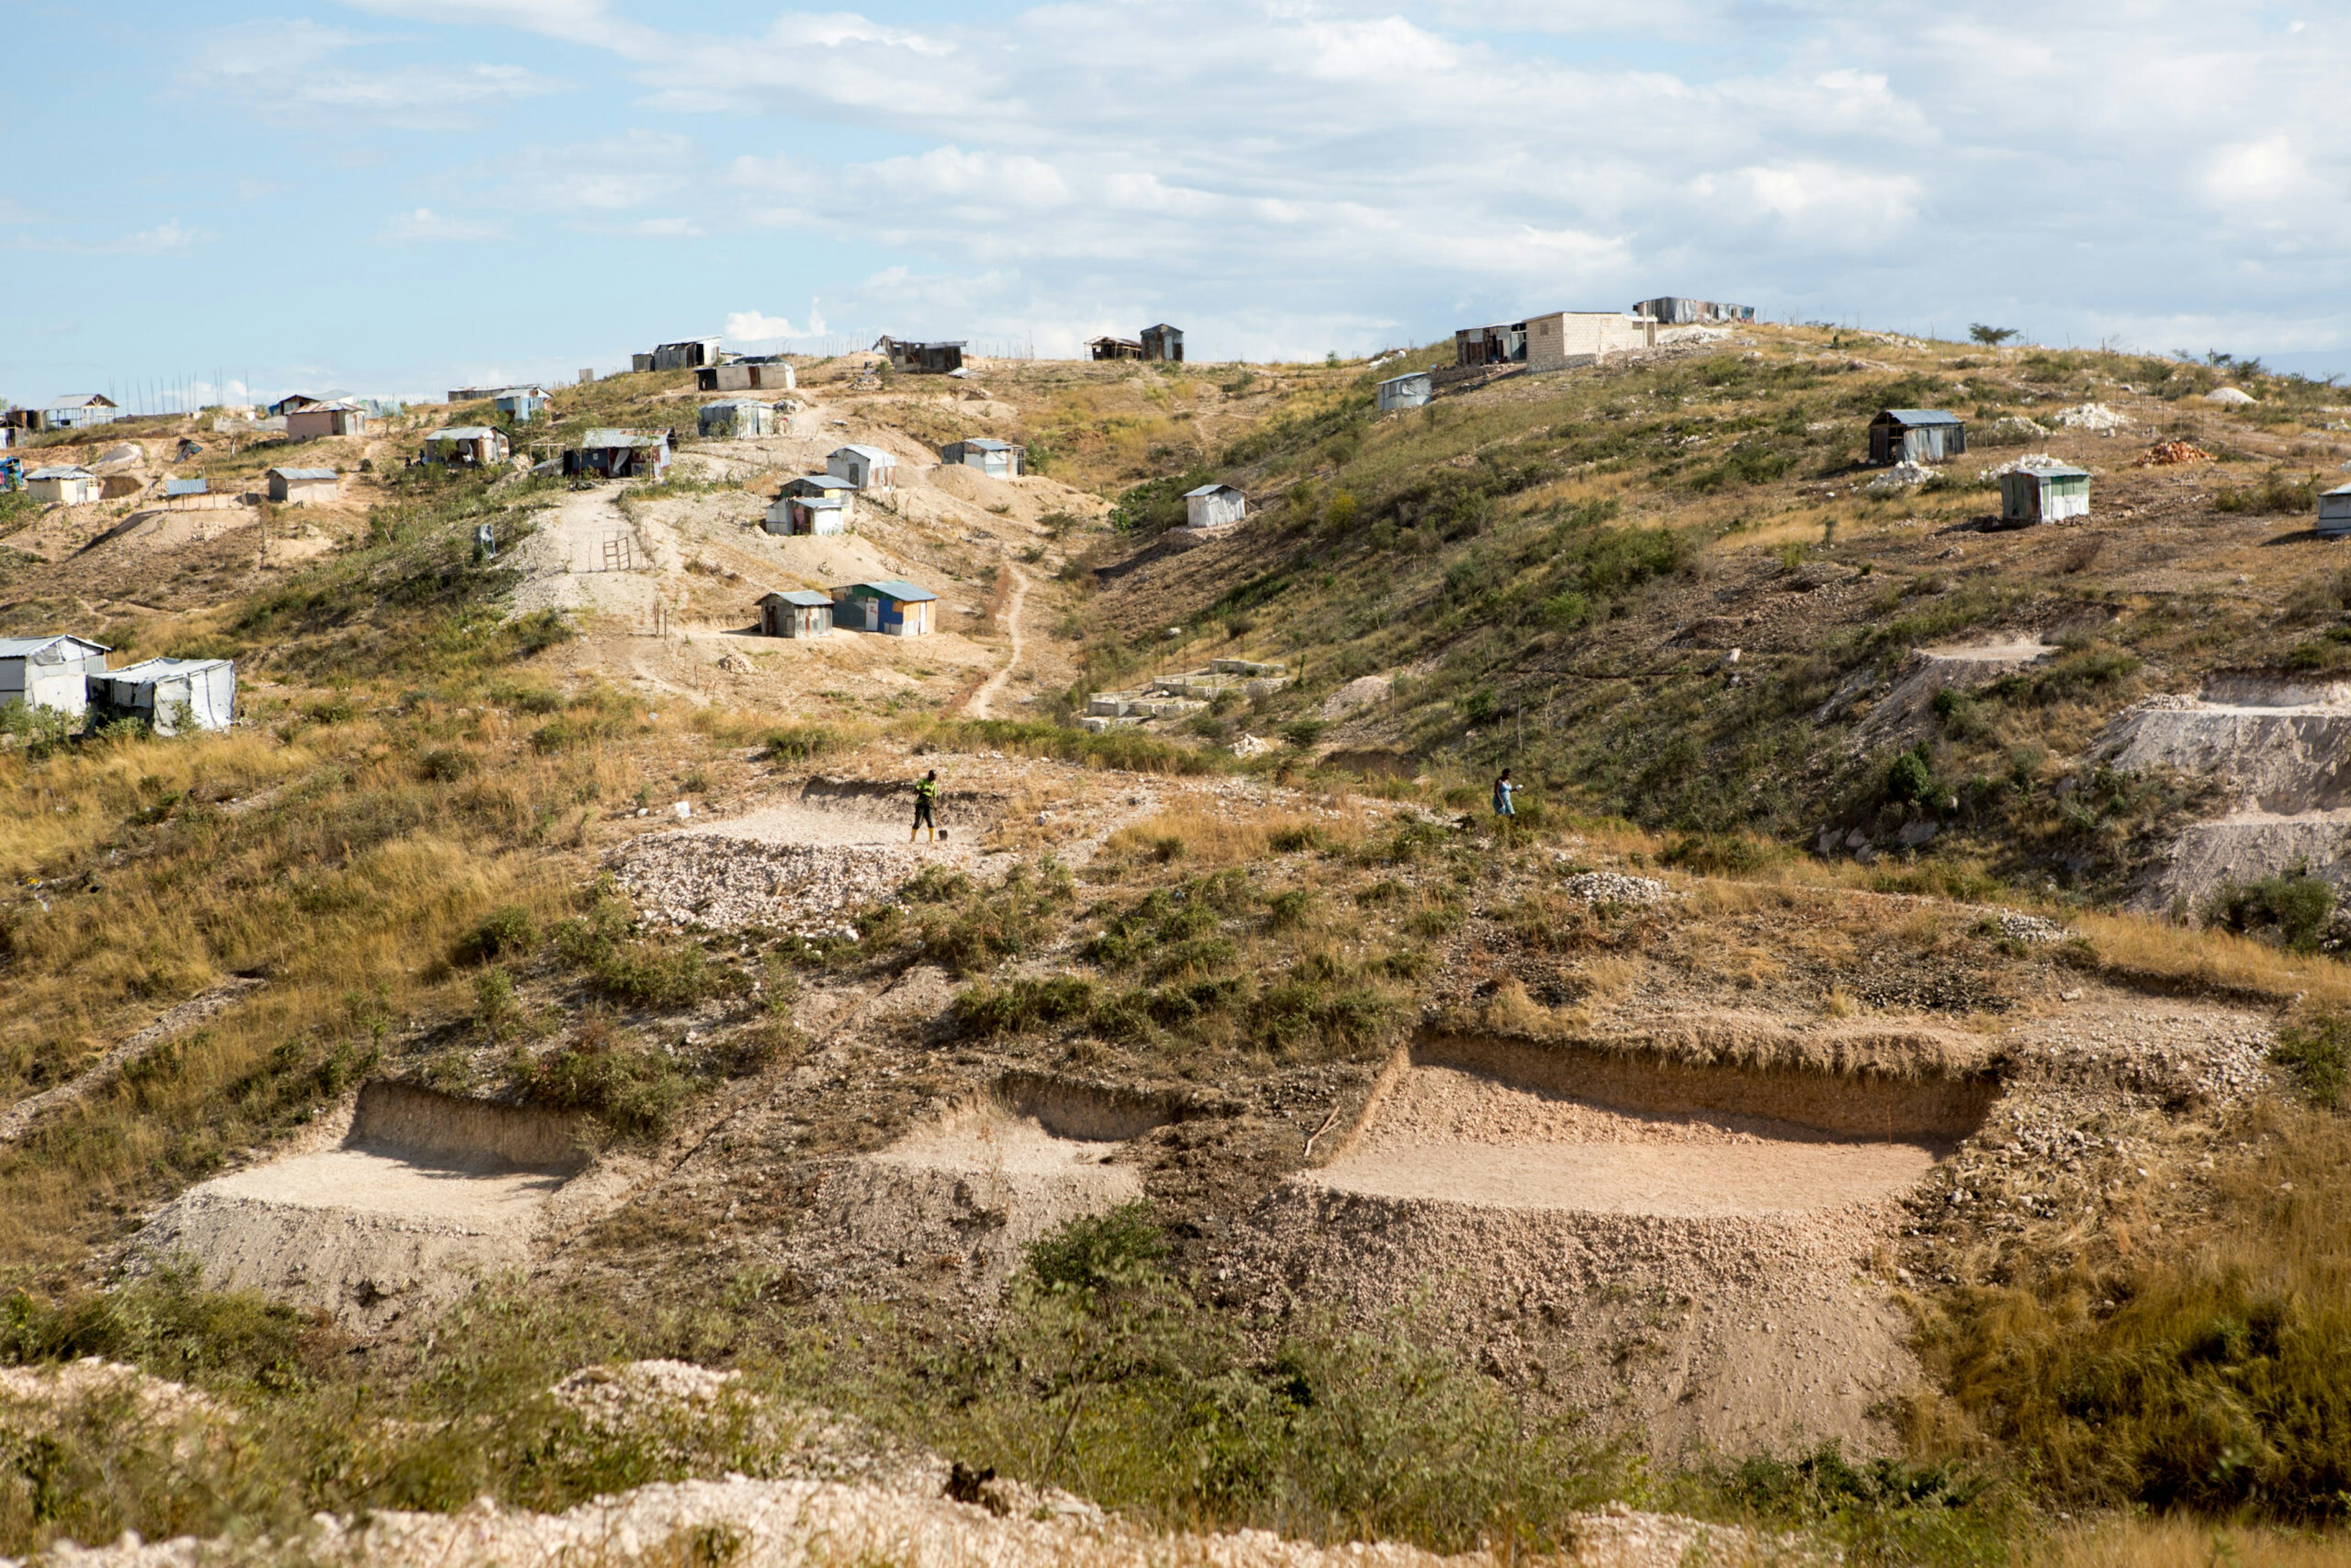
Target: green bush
[[2318, 1053], [800, 742], [2275, 492], [2297, 907], [984, 1010], [1911, 777], [634, 1091], [501, 933]]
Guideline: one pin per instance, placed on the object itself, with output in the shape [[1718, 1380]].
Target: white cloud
[[423, 225], [298, 72], [757, 326], [2263, 172]]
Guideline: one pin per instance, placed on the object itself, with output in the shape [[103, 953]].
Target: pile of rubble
[[1615, 888], [2167, 454], [2026, 927], [1173, 697], [1901, 477], [811, 891], [2030, 463], [2091, 416]]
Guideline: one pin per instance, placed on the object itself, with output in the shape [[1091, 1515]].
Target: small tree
[[1991, 337]]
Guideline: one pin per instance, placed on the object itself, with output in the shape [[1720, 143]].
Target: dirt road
[[982, 703]]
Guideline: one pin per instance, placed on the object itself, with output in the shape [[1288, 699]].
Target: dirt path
[[982, 703], [20, 1118]]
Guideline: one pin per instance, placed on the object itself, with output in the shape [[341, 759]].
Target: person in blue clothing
[[1503, 791]]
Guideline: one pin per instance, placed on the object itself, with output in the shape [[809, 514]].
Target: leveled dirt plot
[[964, 1197], [1629, 1235], [421, 1194]]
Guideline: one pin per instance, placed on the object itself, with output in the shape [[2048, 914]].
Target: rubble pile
[[722, 884], [1615, 888], [2026, 927], [2091, 416], [2167, 454]]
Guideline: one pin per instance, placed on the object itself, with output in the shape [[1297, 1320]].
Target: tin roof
[[986, 443], [622, 438], [870, 453], [737, 402], [835, 502], [61, 471], [904, 593], [824, 481], [26, 647], [303, 473], [84, 400], [186, 488], [147, 671], [1212, 489], [2340, 490], [2052, 471], [1920, 416], [805, 598], [461, 432], [1407, 376]]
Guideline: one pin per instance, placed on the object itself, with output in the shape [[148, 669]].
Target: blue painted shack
[[892, 608]]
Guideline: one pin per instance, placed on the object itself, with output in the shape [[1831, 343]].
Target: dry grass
[[2172, 1540], [2131, 946], [1203, 837]]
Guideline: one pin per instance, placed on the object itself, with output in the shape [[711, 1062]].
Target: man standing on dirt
[[926, 795]]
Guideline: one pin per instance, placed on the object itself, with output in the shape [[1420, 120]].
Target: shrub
[[446, 764], [1911, 777], [800, 742], [500, 933], [2274, 492], [650, 973], [1095, 1254], [986, 1010], [631, 1091], [2297, 907], [2318, 1053]]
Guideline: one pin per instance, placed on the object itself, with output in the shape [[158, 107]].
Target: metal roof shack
[[467, 446], [869, 468], [821, 485], [1163, 342], [736, 417], [1500, 343], [342, 417], [748, 375], [619, 454], [2335, 512], [51, 671], [686, 354], [301, 486], [798, 613], [996, 459], [1673, 310], [170, 693], [78, 409], [1915, 435], [520, 404], [292, 403], [923, 358], [1411, 390], [1116, 348], [2049, 494], [1211, 505], [808, 515], [894, 608], [66, 483]]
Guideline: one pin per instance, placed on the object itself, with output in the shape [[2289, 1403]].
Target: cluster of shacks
[[68, 674]]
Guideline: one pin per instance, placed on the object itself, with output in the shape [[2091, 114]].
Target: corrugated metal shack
[[869, 468], [732, 418], [1673, 310], [301, 486], [79, 409], [520, 404], [2335, 512], [686, 354], [467, 446], [996, 459], [1915, 435], [619, 454], [169, 694], [178, 492], [2044, 495], [64, 483], [1501, 344], [894, 608], [769, 374], [342, 417], [293, 403], [51, 671], [1212, 505], [1163, 342], [802, 612], [923, 358], [1411, 390], [808, 515], [1116, 348]]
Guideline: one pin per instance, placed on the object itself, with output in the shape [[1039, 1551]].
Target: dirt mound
[[962, 1199], [2274, 745], [1905, 712], [422, 1193], [2169, 453], [1671, 1242], [2246, 847]]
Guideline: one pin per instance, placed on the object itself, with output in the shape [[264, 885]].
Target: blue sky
[[398, 196]]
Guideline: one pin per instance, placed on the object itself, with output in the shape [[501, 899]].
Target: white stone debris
[[2091, 416], [1615, 888], [724, 883], [2027, 928], [1901, 477]]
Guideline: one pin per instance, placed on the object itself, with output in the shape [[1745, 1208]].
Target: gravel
[[1615, 888], [718, 882], [2027, 928]]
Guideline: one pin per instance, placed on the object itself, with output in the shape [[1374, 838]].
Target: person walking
[[1503, 789], [926, 795]]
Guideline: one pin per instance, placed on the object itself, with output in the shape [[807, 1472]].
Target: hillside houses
[[1672, 310], [686, 354], [467, 446], [1915, 435], [996, 459], [1160, 341], [300, 486], [772, 374], [733, 418], [869, 468], [1558, 342], [67, 484], [606, 454], [1213, 506], [344, 417], [922, 358], [894, 608]]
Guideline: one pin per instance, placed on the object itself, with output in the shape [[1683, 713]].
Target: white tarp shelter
[[170, 693], [50, 672]]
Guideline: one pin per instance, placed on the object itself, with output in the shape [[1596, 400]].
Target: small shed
[[301, 486], [1162, 342], [467, 446], [686, 354], [169, 694], [337, 418], [869, 468], [746, 375], [295, 402], [895, 609], [78, 409], [831, 484], [2335, 512], [923, 358], [1915, 435], [1116, 348], [996, 459], [1213, 504], [2044, 495], [802, 612], [808, 515], [1411, 390], [1673, 310], [620, 455], [179, 491], [69, 485], [51, 672], [734, 417], [520, 404]]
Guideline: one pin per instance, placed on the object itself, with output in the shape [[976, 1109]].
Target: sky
[[240, 198]]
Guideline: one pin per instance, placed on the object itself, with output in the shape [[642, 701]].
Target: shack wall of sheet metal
[[2335, 512], [1412, 390]]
